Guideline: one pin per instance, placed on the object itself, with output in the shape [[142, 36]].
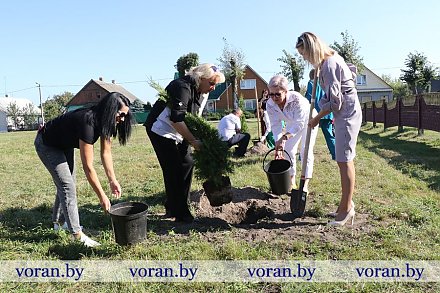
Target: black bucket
[[278, 174], [129, 221]]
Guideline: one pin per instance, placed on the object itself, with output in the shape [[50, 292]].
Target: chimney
[[100, 78], [113, 81]]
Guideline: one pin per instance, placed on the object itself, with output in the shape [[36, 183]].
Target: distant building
[[3, 120], [19, 123], [93, 91], [434, 86], [250, 88], [371, 87]]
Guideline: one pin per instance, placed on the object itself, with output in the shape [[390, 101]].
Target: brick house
[[250, 88], [93, 91]]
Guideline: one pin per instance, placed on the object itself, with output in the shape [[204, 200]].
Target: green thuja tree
[[213, 160], [161, 92], [244, 126]]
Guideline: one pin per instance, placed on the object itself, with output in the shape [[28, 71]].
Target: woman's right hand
[[279, 149]]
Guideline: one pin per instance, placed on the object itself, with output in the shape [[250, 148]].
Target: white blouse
[[295, 114]]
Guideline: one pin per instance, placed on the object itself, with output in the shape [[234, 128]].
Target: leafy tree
[[185, 62], [400, 89], [419, 72], [349, 50], [14, 113], [148, 106], [137, 106], [55, 106], [293, 68], [233, 64], [29, 116]]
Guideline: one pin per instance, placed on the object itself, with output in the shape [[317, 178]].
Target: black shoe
[[168, 214], [186, 219]]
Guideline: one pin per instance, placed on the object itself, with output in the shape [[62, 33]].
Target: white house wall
[[3, 121], [375, 88]]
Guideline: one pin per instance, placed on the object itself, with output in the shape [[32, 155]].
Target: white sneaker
[[86, 241]]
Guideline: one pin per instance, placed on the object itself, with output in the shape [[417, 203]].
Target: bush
[[213, 160], [248, 114], [210, 116]]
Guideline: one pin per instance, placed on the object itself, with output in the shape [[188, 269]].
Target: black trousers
[[242, 139], [177, 168]]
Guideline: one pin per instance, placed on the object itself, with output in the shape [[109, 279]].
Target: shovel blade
[[298, 200]]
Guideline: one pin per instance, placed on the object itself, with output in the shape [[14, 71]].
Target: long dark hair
[[105, 114]]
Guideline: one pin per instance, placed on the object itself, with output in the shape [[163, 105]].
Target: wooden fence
[[420, 111]]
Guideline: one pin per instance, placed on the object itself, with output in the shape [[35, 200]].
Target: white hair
[[279, 81]]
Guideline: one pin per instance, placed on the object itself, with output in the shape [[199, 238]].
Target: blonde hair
[[206, 70], [279, 81], [314, 50]]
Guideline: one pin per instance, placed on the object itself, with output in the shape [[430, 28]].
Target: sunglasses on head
[[278, 95], [214, 68]]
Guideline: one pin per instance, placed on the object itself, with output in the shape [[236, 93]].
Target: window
[[361, 79], [250, 104], [247, 84], [210, 106]]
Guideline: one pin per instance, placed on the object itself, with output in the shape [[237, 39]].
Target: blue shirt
[[319, 94]]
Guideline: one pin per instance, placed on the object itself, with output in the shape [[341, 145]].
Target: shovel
[[298, 197]]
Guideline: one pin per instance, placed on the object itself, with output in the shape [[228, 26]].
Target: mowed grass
[[397, 190]]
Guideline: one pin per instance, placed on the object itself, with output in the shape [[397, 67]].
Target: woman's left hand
[[116, 189]]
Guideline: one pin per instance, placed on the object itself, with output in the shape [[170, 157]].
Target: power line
[[80, 85]]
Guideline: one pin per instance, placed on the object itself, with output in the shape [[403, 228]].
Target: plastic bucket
[[129, 221], [278, 174]]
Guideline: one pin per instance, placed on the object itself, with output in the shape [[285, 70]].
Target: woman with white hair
[[292, 108], [171, 138]]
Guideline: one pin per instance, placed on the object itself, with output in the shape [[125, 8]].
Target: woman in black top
[[171, 137], [55, 143]]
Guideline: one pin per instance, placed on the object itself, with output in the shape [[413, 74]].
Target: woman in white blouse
[[292, 108]]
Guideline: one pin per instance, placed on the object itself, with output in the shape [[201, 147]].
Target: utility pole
[[41, 104]]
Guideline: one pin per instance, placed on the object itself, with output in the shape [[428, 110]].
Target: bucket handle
[[290, 159]]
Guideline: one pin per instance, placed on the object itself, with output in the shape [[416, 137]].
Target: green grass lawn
[[397, 195]]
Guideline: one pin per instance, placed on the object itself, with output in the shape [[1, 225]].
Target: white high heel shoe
[[334, 214], [341, 223]]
